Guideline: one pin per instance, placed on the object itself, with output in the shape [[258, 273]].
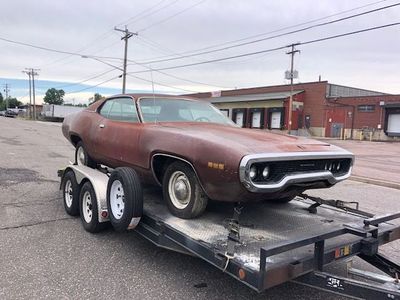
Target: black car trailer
[[264, 244]]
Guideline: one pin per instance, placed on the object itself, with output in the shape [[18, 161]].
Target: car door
[[118, 133]]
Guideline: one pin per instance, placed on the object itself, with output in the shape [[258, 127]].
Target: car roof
[[151, 95]]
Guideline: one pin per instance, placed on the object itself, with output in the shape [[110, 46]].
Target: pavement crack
[[35, 224]]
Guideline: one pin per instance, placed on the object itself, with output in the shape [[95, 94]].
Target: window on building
[[366, 108]]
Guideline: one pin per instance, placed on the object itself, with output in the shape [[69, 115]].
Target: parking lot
[[47, 254]]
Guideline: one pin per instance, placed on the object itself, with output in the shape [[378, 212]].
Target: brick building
[[319, 108]]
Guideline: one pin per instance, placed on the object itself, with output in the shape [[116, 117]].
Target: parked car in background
[[10, 113], [2, 113], [195, 153]]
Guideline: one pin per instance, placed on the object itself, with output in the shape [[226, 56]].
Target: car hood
[[247, 141]]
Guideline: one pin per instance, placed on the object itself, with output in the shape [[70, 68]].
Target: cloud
[[367, 60]]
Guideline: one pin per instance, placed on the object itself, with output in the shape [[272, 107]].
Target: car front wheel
[[82, 158], [183, 193]]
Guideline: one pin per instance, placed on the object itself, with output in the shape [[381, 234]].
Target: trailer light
[[104, 214], [253, 172], [265, 172], [242, 274]]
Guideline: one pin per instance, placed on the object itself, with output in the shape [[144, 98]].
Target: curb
[[389, 184]]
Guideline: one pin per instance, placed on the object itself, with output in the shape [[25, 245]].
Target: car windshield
[[180, 110]]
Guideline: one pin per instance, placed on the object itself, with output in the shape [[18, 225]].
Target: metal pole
[[6, 90], [30, 96], [33, 94], [292, 53]]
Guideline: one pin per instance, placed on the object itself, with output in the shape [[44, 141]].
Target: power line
[[162, 84], [92, 86], [133, 19], [180, 78], [274, 36], [172, 16], [85, 80], [274, 31], [271, 49]]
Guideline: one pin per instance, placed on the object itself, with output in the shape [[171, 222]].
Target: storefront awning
[[252, 97]]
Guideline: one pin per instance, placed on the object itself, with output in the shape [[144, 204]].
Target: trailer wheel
[[82, 158], [184, 195], [88, 209], [124, 199], [70, 190]]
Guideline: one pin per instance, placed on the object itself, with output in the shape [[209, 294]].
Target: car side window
[[120, 109], [106, 108]]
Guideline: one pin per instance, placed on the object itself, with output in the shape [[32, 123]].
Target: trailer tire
[[88, 209], [124, 198], [82, 157], [70, 189], [182, 191]]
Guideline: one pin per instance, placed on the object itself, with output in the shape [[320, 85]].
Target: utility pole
[[30, 92], [126, 36], [6, 90], [291, 76], [31, 73]]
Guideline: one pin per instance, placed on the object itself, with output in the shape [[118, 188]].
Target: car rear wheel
[[124, 199], [184, 195], [70, 189], [82, 158], [88, 209]]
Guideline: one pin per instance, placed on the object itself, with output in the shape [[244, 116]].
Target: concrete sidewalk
[[376, 162]]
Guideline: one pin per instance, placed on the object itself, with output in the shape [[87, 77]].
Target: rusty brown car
[[195, 153]]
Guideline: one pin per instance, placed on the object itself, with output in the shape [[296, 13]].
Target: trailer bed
[[265, 244]]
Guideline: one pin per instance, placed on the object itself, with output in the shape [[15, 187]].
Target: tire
[[189, 201], [82, 157], [88, 209], [70, 189], [124, 199]]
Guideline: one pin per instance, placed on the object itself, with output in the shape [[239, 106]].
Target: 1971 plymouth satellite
[[195, 153]]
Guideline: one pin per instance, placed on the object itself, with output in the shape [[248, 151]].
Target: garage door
[[276, 120], [393, 123]]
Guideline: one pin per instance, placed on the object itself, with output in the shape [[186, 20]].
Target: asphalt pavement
[[47, 254]]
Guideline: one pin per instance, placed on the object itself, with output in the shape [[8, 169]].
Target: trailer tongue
[[266, 244]]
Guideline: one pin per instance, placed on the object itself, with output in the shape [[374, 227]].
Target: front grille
[[279, 169]]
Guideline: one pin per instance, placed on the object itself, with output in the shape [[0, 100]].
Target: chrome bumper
[[290, 179]]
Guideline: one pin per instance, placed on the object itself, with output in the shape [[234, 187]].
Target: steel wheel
[[117, 199], [68, 193], [179, 189], [80, 156], [87, 207]]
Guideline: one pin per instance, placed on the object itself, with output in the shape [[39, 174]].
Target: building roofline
[[361, 89]]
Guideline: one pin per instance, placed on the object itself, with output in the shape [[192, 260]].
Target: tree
[[97, 97], [11, 102], [54, 96]]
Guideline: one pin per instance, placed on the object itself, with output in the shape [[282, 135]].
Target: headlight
[[253, 172], [265, 172]]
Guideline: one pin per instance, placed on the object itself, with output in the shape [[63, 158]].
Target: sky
[[177, 29]]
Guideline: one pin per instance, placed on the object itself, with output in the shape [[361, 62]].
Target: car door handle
[[101, 125]]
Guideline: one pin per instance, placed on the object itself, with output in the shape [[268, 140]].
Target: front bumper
[[293, 178]]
